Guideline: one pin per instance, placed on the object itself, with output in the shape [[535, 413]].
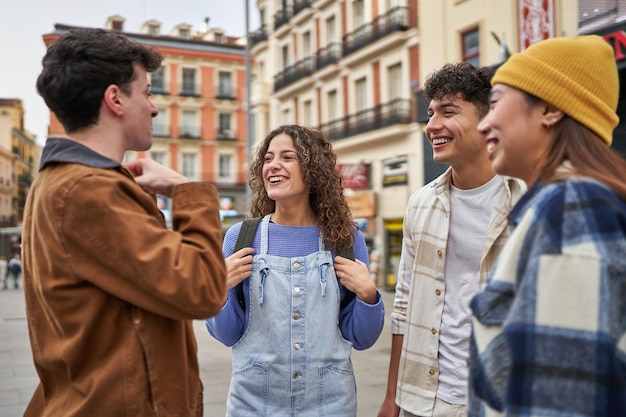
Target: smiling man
[[454, 227]]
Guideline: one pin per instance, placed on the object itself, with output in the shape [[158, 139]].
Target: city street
[[18, 378]]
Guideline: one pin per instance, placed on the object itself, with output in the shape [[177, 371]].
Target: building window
[[225, 131], [189, 82], [190, 128], [358, 8], [225, 87], [471, 47], [394, 76], [157, 81], [225, 170], [332, 105], [158, 157], [306, 44], [160, 125], [117, 25], [285, 56], [154, 30], [287, 117], [331, 33], [360, 94], [307, 113], [190, 169], [184, 33]]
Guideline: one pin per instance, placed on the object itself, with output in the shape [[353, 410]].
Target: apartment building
[[19, 161], [200, 89], [353, 68]]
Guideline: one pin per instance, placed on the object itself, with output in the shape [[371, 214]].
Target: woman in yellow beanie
[[550, 324]]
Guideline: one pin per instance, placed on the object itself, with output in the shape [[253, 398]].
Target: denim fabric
[[292, 360]]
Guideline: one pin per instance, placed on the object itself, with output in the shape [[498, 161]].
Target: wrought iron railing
[[299, 5], [327, 55], [258, 35], [281, 17], [294, 73], [396, 19], [396, 111]]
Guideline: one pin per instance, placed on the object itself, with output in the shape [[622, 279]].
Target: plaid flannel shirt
[[550, 325], [420, 289]]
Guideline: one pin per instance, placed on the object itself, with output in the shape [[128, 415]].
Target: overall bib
[[292, 360]]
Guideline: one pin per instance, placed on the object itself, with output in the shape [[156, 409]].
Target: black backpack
[[244, 240]]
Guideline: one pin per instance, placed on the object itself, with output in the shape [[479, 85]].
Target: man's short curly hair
[[462, 79]]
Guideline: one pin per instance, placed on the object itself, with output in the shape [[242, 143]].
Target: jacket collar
[[58, 150]]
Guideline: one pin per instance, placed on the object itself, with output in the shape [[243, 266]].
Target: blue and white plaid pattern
[[550, 325]]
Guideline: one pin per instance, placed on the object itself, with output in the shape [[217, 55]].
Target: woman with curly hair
[[293, 332]]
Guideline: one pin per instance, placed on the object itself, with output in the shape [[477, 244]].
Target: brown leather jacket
[[110, 291]]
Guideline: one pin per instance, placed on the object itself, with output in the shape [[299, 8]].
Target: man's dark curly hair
[[462, 79], [319, 171], [81, 65]]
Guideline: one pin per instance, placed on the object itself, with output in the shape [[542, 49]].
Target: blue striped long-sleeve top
[[359, 322]]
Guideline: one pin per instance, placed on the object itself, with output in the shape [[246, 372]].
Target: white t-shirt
[[470, 214]]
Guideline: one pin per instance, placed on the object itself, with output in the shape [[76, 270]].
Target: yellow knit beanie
[[576, 74]]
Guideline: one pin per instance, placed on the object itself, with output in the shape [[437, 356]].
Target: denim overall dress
[[292, 360]]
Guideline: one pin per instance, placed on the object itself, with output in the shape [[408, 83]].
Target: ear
[[113, 99], [551, 115]]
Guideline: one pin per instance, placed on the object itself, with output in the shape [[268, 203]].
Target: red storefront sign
[[354, 176], [617, 40]]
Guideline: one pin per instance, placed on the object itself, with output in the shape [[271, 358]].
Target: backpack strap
[[246, 233], [349, 254], [244, 240]]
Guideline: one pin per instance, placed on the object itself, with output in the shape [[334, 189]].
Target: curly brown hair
[[471, 83], [319, 171]]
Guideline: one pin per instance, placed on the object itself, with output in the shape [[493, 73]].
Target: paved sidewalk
[[18, 378]]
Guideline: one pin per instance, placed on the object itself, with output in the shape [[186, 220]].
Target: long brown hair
[[319, 171], [589, 155]]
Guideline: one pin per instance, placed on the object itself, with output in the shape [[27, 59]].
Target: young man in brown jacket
[[110, 291]]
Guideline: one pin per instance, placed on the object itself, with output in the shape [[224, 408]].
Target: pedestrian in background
[[454, 228], [110, 291], [550, 325], [303, 307], [14, 270]]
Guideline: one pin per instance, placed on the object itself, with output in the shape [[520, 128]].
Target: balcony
[[394, 20], [294, 73], [299, 5], [330, 54], [281, 17], [189, 90], [159, 89], [225, 93], [396, 111], [24, 180], [226, 135], [258, 36], [190, 132]]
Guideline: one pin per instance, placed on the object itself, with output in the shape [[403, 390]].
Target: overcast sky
[[23, 22]]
